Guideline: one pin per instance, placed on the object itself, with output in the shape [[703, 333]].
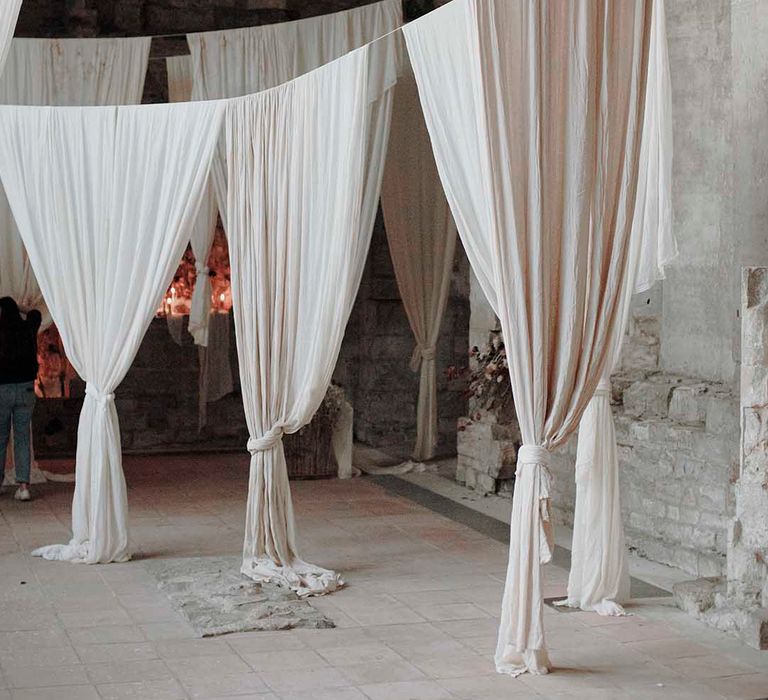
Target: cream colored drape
[[104, 198], [535, 111], [599, 576], [237, 62], [422, 242], [299, 160], [9, 13]]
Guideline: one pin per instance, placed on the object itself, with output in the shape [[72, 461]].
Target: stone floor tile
[[207, 686], [127, 671], [43, 676], [287, 659], [367, 673], [358, 654], [468, 664], [124, 634], [489, 687], [124, 652], [71, 692], [406, 690], [295, 680], [166, 689]]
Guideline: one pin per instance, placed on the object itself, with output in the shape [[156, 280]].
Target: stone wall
[[157, 404]]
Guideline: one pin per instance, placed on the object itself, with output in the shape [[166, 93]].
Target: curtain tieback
[[98, 395], [419, 354], [201, 270], [603, 388], [267, 441], [538, 459]]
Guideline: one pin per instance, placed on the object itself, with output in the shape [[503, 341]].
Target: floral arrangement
[[489, 385]]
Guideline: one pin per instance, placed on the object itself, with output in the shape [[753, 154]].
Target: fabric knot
[[419, 354], [603, 388], [98, 395], [202, 270], [533, 454], [267, 441]]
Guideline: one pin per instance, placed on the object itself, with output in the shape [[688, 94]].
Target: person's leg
[[7, 399], [22, 419]]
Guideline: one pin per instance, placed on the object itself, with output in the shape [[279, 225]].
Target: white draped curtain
[[9, 13], [535, 111], [599, 576], [422, 243], [105, 198], [301, 157], [60, 72], [237, 62]]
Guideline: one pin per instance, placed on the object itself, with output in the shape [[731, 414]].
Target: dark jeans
[[17, 401]]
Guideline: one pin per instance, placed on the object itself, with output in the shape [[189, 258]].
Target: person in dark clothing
[[18, 369]]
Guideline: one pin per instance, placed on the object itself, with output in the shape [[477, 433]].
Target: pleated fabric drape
[[299, 160], [105, 198], [422, 242], [9, 13], [535, 111], [180, 90], [599, 575], [237, 62], [61, 72]]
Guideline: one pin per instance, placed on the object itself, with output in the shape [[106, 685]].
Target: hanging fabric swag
[[299, 162], [238, 62], [9, 13], [539, 159], [105, 198], [210, 331], [599, 575], [60, 72], [422, 243]]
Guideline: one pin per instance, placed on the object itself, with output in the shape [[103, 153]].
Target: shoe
[[22, 494]]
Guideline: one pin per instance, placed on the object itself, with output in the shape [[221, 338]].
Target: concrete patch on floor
[[217, 599]]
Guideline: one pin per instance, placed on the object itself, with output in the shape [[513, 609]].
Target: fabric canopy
[[9, 13], [535, 111], [300, 222], [238, 62], [105, 198], [599, 575], [422, 242]]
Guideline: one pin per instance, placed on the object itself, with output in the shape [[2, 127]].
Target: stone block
[[723, 415], [688, 404], [648, 399]]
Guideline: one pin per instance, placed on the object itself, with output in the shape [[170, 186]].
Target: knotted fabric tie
[[267, 441], [202, 270], [419, 354], [603, 388], [98, 395], [539, 480]]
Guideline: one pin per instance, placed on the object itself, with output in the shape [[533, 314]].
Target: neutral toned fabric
[[104, 198], [180, 90], [216, 380], [422, 242], [298, 164], [60, 72], [237, 62], [9, 13], [599, 575], [535, 111]]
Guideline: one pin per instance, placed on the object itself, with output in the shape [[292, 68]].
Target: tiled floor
[[418, 620]]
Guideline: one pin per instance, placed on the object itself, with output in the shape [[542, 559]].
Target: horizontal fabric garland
[[105, 198], [539, 158]]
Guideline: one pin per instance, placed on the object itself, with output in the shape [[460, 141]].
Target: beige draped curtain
[[535, 111], [422, 242]]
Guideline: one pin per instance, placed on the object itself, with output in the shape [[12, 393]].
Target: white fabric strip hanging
[[60, 72], [238, 62], [300, 160], [9, 13], [422, 242], [105, 198], [180, 90], [535, 111], [599, 576]]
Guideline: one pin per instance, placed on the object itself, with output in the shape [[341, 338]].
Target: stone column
[[748, 535]]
